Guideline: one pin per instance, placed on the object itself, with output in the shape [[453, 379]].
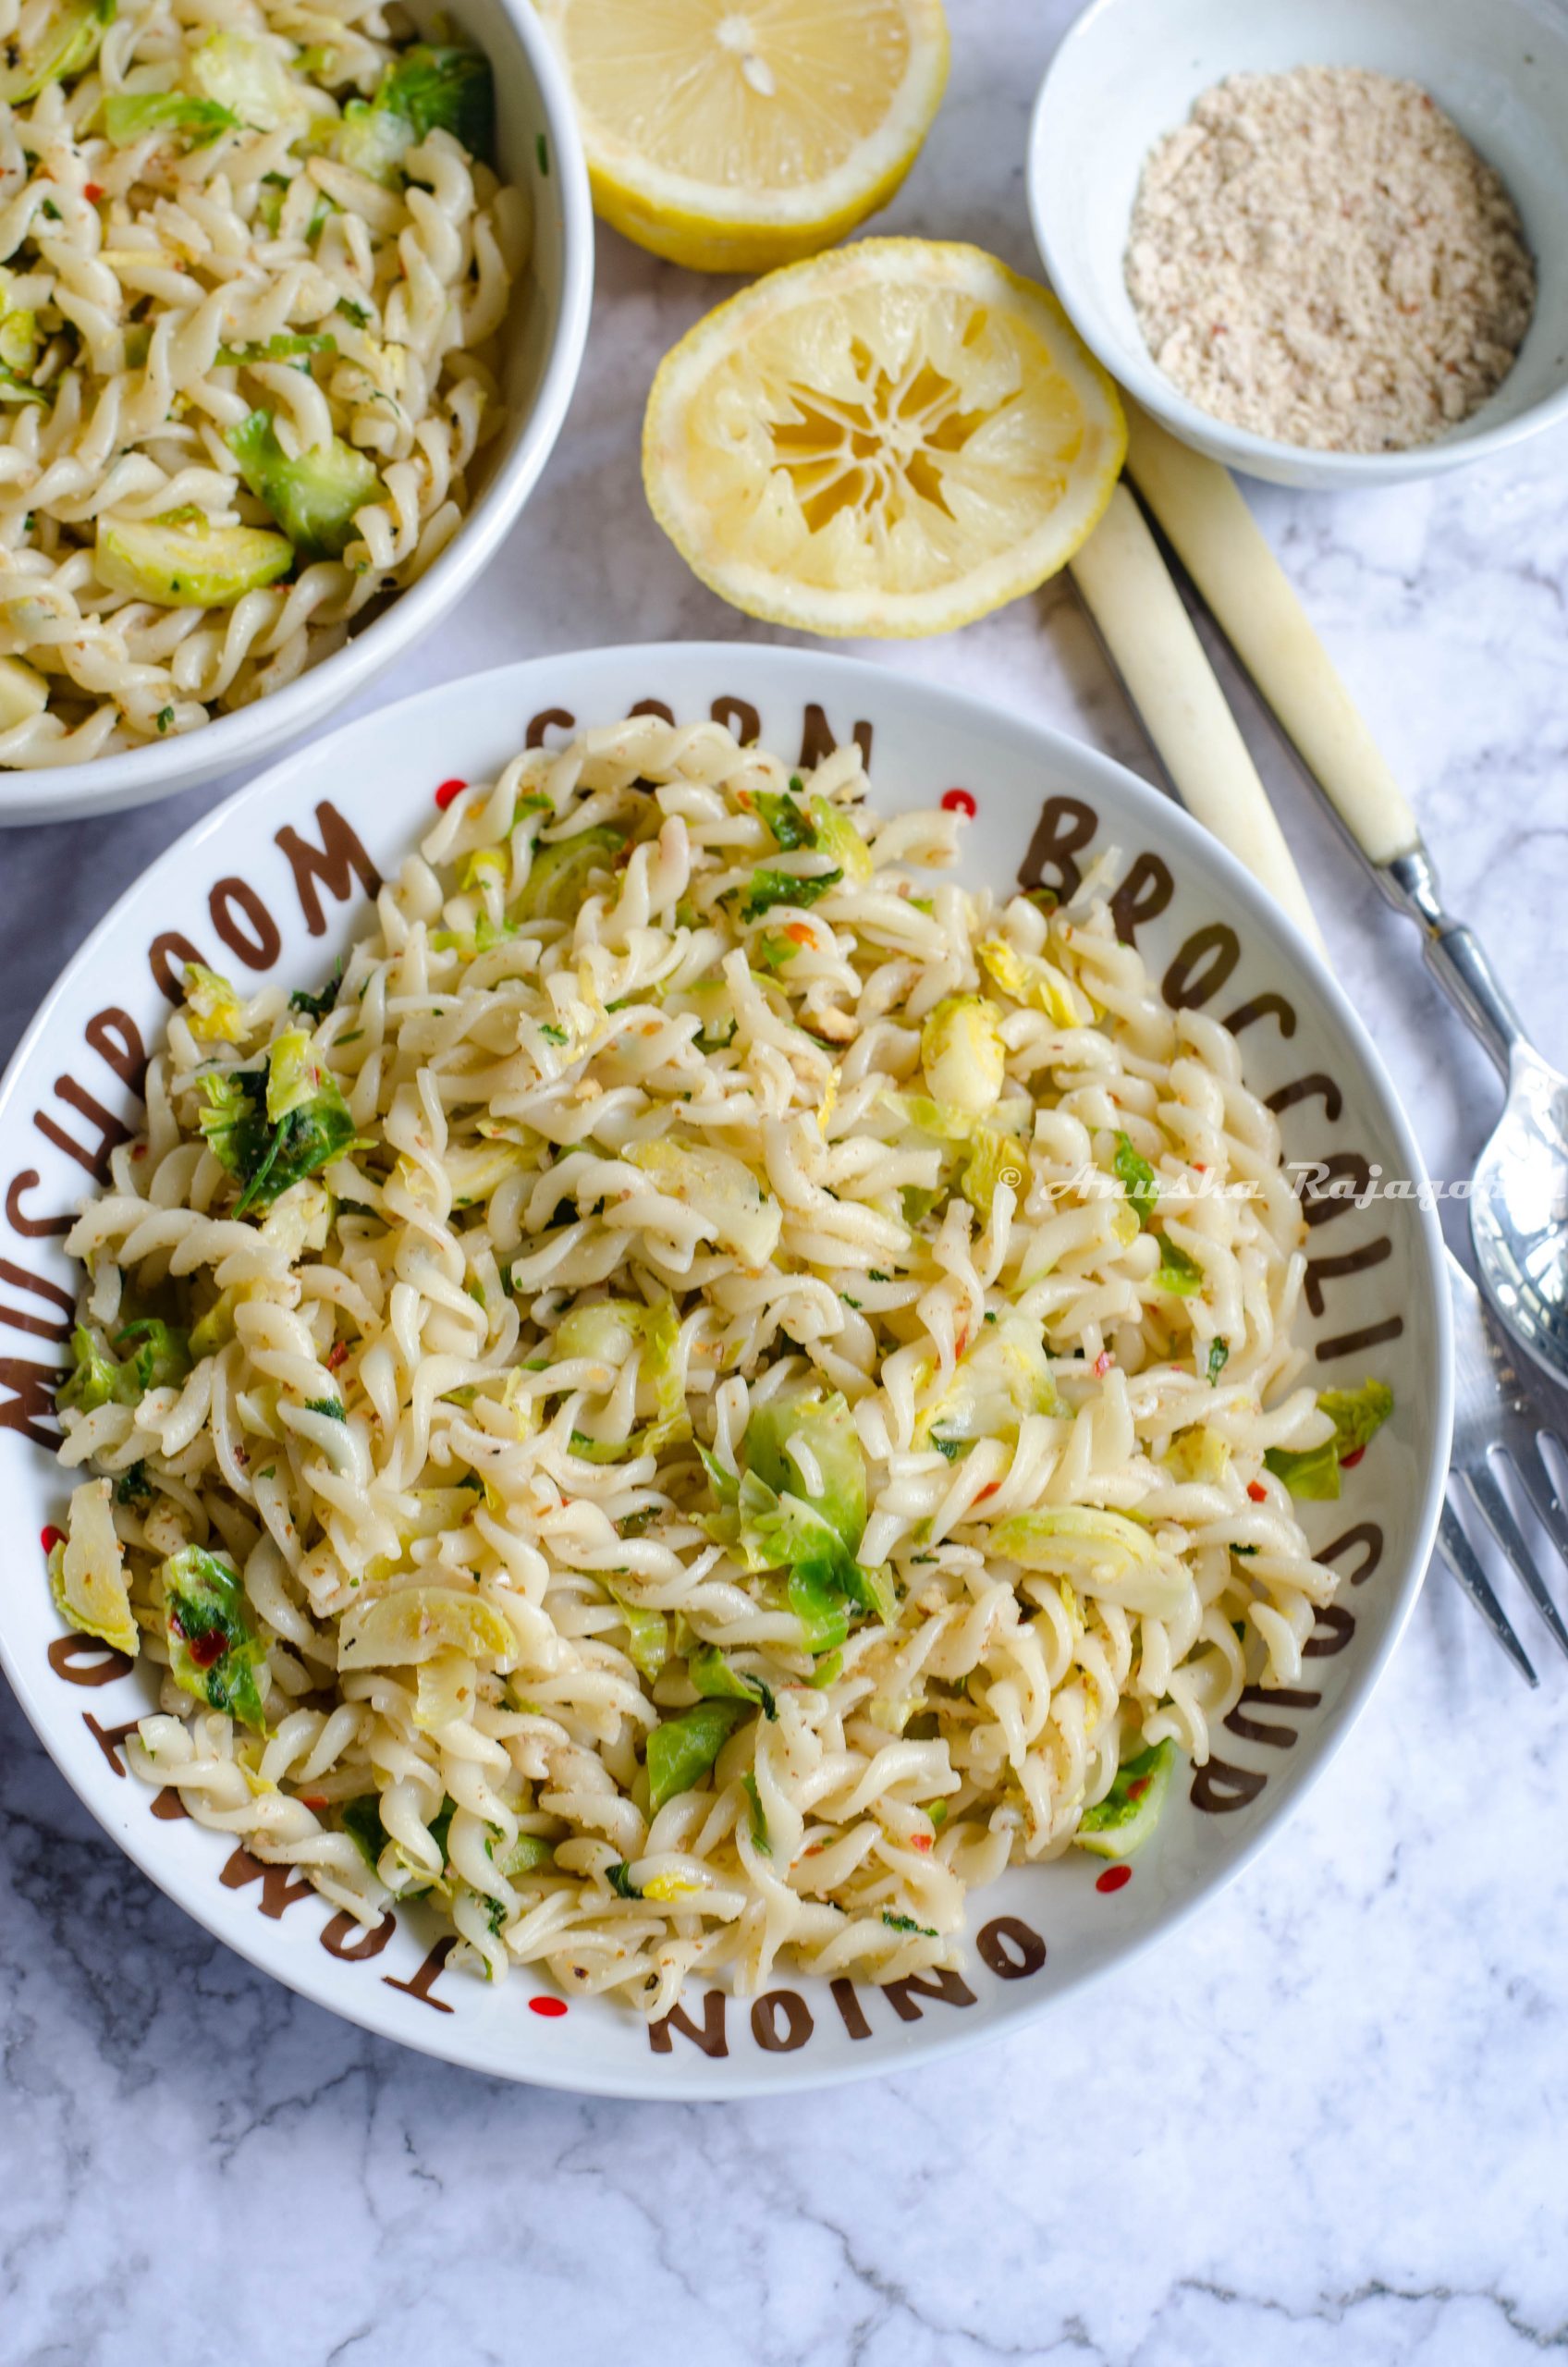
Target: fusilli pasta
[[711, 1396], [250, 308]]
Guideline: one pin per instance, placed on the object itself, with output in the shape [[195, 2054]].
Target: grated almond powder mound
[[1321, 257]]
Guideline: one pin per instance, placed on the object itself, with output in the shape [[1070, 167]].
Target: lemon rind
[[706, 227]]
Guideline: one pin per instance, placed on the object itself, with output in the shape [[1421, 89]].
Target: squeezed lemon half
[[891, 439], [730, 135]]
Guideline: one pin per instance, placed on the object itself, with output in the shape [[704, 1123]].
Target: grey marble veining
[[1325, 2124]]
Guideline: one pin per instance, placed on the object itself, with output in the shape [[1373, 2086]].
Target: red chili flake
[[91, 191], [312, 1800], [1258, 1491], [205, 1649], [1114, 1877], [1349, 1462], [139, 1151], [448, 791], [1135, 1791], [1103, 1363], [1200, 1167], [800, 933], [51, 1537], [552, 2008], [989, 1490], [920, 1841], [336, 1355], [743, 800], [959, 801]]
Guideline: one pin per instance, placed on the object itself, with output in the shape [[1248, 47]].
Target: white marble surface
[[1325, 2125]]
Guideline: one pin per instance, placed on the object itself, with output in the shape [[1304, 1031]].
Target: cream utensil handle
[[1127, 588], [1251, 599], [1220, 544]]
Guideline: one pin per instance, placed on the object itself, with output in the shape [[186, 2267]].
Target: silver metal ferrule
[[1454, 954]]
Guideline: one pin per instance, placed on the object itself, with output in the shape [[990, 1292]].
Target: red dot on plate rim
[[551, 2007], [448, 791], [1114, 1877], [959, 801]]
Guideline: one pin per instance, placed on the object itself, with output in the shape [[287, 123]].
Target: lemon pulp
[[891, 439]]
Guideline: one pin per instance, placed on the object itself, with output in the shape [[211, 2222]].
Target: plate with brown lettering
[[276, 882]]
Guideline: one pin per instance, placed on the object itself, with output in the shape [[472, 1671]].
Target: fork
[[1497, 1421], [1128, 590]]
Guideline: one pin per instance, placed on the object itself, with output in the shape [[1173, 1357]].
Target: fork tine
[[1531, 1472], [1492, 1505], [1458, 1553]]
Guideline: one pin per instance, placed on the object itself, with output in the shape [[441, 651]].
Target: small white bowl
[[541, 152], [1129, 71]]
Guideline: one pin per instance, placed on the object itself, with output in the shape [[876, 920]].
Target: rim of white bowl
[[1302, 466], [143, 776], [457, 2044]]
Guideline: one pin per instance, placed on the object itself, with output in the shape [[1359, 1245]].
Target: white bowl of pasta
[[288, 330], [707, 1449]]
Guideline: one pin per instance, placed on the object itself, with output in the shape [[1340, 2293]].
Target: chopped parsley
[[164, 718], [770, 888], [790, 826], [1137, 1178], [133, 1487], [361, 1822], [326, 1405], [317, 1006], [907, 1923], [1219, 1357]]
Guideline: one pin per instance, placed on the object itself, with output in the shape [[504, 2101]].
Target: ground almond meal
[[1321, 257]]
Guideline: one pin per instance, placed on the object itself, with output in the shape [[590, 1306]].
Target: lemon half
[[887, 440], [730, 135]]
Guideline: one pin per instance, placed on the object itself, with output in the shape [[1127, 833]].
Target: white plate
[[239, 893]]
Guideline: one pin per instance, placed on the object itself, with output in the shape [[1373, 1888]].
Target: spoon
[[1519, 1199]]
